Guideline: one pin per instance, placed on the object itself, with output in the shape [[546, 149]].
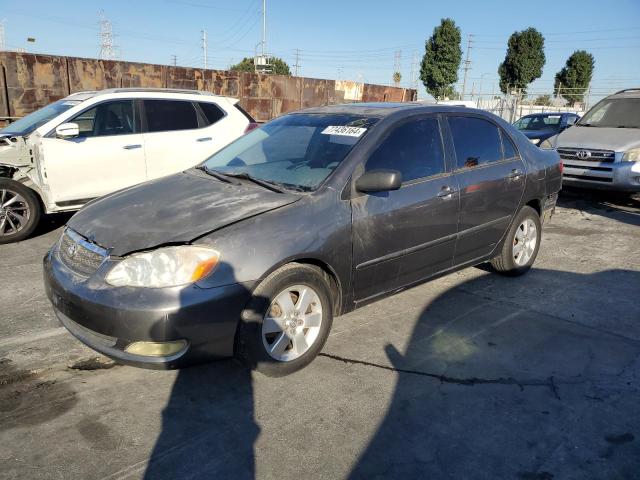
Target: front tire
[[20, 211], [287, 322], [521, 246]]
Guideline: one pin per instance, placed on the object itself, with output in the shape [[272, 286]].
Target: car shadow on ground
[[623, 207], [488, 388], [208, 424]]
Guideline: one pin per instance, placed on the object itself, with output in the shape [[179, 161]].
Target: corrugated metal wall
[[30, 81]]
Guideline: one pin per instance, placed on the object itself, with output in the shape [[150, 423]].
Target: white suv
[[90, 144]]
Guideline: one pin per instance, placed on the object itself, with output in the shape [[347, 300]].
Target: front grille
[[590, 155], [80, 255]]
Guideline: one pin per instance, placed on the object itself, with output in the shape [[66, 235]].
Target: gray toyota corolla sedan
[[313, 215]]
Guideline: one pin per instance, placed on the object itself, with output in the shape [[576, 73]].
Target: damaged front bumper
[[181, 326]]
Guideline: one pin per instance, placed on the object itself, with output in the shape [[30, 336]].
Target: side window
[[508, 146], [476, 141], [211, 111], [167, 115], [414, 149], [571, 120], [106, 119]]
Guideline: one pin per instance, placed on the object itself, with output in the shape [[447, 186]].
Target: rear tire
[[20, 211], [521, 245], [286, 323]]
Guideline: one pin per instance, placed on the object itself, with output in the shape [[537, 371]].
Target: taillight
[[561, 166], [251, 126]]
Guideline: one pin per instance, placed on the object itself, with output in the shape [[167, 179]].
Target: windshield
[[539, 122], [614, 113], [29, 123], [299, 150]]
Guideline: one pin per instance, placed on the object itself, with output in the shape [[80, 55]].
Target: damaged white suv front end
[[91, 144]]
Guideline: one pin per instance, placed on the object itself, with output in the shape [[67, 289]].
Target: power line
[[467, 63], [397, 59], [297, 64], [106, 38], [204, 47]]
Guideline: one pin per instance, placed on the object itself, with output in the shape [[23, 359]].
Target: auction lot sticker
[[343, 130]]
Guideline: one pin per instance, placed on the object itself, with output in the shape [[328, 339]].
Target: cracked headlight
[[164, 267], [632, 155]]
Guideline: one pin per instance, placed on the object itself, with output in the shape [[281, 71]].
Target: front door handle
[[446, 192], [515, 173], [132, 147], [204, 139]]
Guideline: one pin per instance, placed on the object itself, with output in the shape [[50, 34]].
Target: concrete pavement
[[469, 376]]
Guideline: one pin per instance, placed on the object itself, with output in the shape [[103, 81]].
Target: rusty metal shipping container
[[30, 81]]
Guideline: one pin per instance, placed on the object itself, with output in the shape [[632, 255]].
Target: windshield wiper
[[214, 173], [273, 186]]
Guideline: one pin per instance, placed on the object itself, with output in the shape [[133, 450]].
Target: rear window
[[168, 115], [212, 112], [476, 141]]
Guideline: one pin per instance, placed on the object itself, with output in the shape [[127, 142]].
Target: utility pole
[[2, 44], [586, 100], [204, 47], [174, 60], [106, 38], [297, 65], [397, 59], [467, 64], [413, 81], [264, 25]]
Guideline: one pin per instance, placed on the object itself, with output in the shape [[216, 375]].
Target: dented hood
[[174, 209]]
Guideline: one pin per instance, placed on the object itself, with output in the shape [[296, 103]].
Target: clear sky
[[354, 39]]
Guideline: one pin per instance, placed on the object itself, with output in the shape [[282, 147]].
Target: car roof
[[545, 114], [626, 93], [85, 95], [385, 109]]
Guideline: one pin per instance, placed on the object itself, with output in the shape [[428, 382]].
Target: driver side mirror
[[379, 181], [67, 130]]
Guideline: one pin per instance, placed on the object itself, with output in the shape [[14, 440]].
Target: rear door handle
[[446, 192], [204, 139], [515, 173], [132, 147]]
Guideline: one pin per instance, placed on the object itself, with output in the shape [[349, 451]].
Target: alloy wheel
[[524, 242], [14, 212], [292, 323]]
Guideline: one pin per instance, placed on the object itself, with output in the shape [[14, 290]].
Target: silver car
[[602, 150]]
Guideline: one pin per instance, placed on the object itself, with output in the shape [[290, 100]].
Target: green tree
[[573, 79], [524, 60], [397, 77], [543, 100], [439, 69], [278, 66]]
